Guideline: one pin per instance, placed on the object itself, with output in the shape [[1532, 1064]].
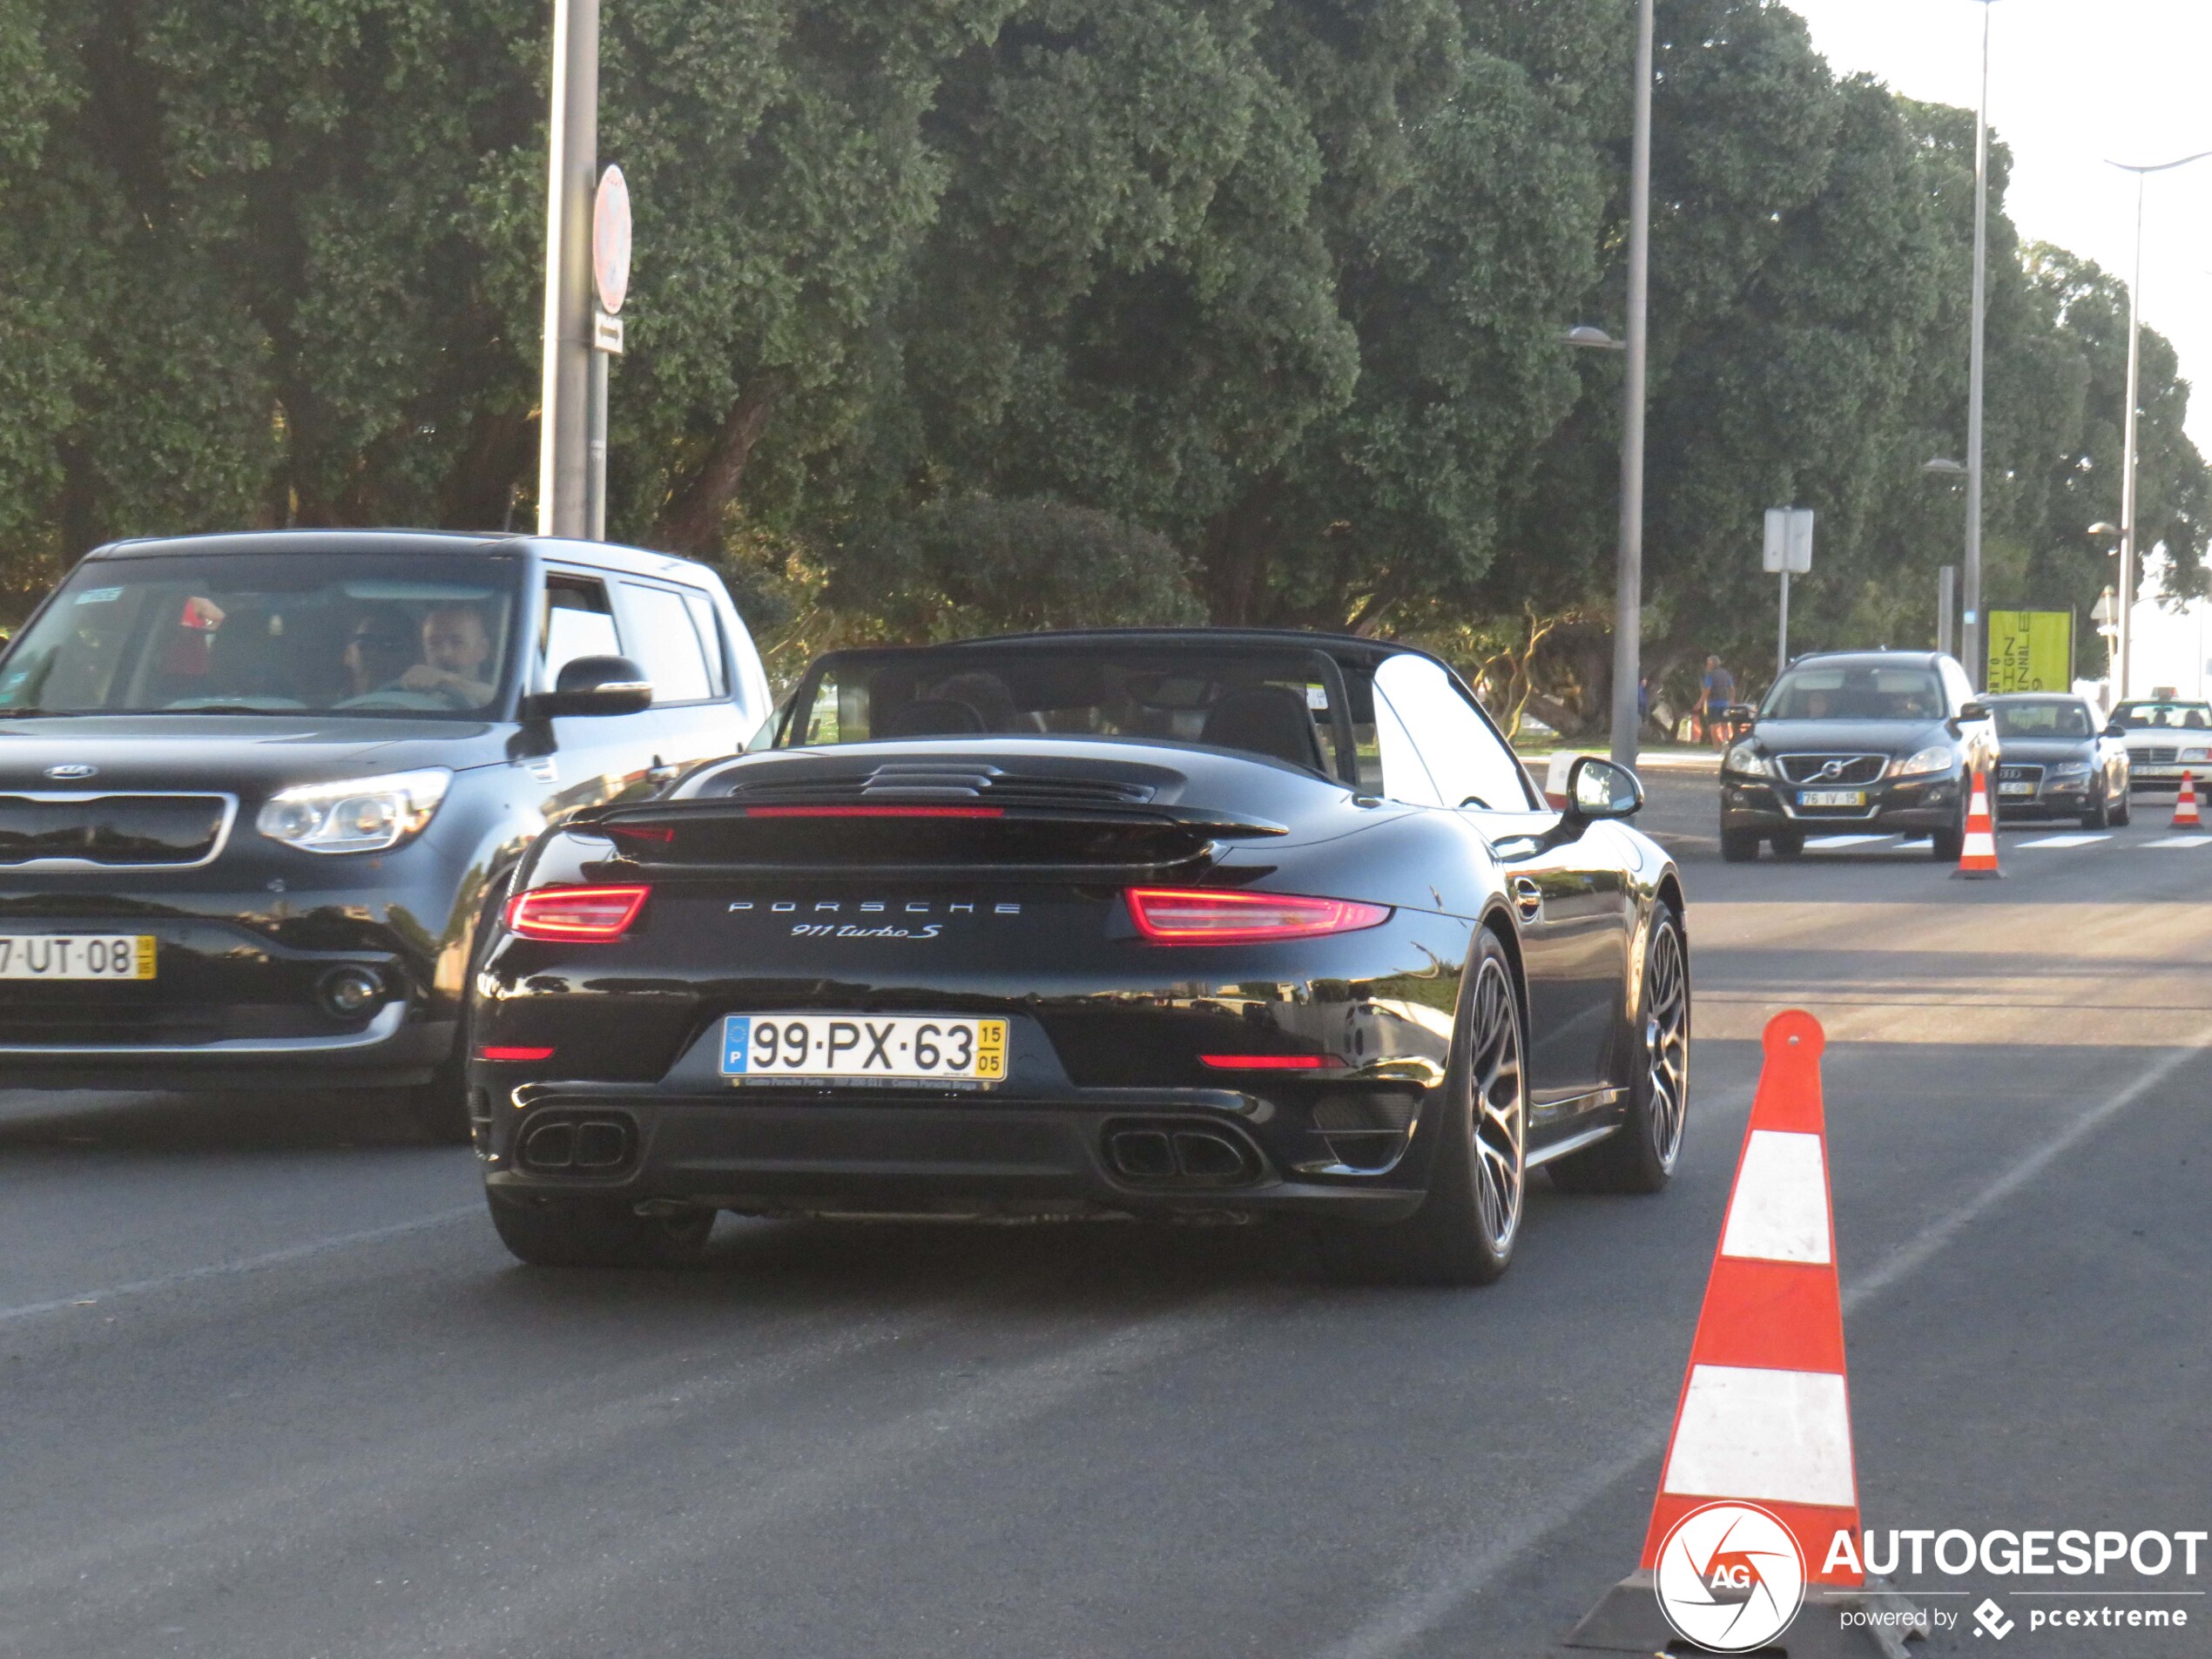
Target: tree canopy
[[969, 314]]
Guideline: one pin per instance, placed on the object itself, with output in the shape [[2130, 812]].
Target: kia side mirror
[[592, 686], [1598, 789]]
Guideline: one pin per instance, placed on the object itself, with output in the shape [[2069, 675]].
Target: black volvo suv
[[1881, 740], [259, 791]]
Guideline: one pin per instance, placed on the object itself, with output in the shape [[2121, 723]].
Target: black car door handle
[[1527, 897]]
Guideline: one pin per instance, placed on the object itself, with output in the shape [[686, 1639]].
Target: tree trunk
[[691, 523]]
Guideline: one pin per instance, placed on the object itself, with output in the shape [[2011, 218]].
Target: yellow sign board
[[2031, 650]]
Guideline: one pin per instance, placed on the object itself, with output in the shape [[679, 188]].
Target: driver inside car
[[455, 648]]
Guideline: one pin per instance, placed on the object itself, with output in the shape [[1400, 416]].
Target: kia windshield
[[1855, 691], [270, 633]]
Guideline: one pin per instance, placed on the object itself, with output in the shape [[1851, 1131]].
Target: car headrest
[[1265, 719], [932, 717]]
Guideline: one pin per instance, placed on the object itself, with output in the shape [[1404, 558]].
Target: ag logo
[[1731, 1577]]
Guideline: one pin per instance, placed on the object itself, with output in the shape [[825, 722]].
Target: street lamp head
[[1584, 333], [1942, 467], [2102, 528]]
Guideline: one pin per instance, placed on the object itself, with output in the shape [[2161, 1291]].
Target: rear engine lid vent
[[950, 779]]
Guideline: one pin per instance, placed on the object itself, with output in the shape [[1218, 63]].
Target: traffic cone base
[[1763, 1424], [1978, 852], [2185, 813]]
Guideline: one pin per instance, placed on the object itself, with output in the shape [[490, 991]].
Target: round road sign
[[610, 240]]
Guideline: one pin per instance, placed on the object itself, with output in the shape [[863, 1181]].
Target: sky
[[2073, 83]]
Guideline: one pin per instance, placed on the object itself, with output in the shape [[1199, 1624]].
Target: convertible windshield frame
[[1202, 658], [310, 634]]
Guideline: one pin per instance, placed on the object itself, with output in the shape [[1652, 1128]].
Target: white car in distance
[[2166, 737]]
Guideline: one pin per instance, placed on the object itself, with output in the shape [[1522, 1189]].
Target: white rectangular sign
[[1789, 540]]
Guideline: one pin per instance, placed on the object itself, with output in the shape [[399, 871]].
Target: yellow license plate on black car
[[76, 956]]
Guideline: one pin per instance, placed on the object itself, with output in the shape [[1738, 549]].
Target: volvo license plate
[[862, 1048], [1831, 798], [76, 956]]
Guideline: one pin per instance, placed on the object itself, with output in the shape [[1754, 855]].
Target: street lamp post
[[1974, 658], [2126, 601], [1627, 595], [564, 439], [2116, 622], [1946, 575]]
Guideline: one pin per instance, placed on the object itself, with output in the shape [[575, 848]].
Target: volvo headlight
[[357, 814], [1937, 759], [1746, 758]]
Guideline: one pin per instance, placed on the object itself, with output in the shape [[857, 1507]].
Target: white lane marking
[[2181, 840], [2062, 840], [1780, 1211], [1831, 843], [1781, 1435], [1476, 1561], [217, 1270]]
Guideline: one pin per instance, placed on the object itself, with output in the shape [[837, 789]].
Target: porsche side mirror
[[592, 686], [1599, 789]]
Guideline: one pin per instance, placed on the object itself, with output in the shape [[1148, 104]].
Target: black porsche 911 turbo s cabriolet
[[1197, 923]]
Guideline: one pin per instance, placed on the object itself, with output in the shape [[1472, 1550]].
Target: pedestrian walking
[[1716, 692]]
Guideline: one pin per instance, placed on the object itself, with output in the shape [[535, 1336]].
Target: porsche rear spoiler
[[1093, 841]]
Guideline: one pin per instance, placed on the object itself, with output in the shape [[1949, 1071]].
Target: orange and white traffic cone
[[2185, 806], [1978, 852], [1758, 1510]]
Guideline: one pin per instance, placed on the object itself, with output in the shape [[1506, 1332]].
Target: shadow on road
[[249, 1121]]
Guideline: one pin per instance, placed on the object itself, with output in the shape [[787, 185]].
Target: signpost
[[2031, 650], [610, 277], [1789, 551]]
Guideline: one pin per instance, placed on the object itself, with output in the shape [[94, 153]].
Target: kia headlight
[[357, 814], [1746, 758], [1937, 759]]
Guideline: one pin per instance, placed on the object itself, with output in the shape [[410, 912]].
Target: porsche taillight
[[1210, 916], [595, 915]]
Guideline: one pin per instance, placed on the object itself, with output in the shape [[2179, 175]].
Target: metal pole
[[595, 476], [1971, 655], [563, 459], [1782, 646], [1945, 576], [1628, 597], [2123, 640]]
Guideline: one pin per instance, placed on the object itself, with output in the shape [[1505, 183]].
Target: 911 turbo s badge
[[814, 926]]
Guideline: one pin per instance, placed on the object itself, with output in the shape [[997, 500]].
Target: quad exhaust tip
[[581, 1145], [1178, 1156]]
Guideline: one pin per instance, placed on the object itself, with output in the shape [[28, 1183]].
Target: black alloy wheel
[[2098, 816], [1640, 1155], [1465, 1231]]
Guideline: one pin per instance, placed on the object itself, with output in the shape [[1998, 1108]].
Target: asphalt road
[[272, 1387]]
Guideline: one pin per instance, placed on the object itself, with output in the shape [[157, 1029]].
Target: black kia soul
[[258, 792]]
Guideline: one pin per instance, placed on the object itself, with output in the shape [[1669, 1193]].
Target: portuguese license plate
[[1831, 798], [862, 1048], [2015, 786], [76, 956]]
